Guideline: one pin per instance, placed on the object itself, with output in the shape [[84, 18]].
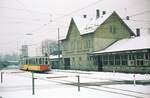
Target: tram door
[[100, 64], [67, 63]]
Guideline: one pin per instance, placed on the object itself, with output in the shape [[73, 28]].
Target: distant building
[[46, 47], [106, 43], [24, 51]]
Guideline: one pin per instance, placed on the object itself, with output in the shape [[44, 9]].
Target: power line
[[24, 7], [30, 11], [141, 13], [80, 9], [75, 11], [18, 18], [139, 20]]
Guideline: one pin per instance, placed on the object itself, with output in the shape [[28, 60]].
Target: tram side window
[[29, 61], [33, 61], [39, 60], [42, 60], [36, 61], [21, 61], [46, 60], [26, 61]]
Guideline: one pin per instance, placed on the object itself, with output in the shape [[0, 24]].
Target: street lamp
[[28, 34]]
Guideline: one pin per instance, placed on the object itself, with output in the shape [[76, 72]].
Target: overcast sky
[[43, 17]]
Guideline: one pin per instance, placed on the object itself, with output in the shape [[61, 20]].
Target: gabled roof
[[89, 25], [135, 43]]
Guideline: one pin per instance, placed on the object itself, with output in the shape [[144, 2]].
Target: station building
[[104, 43]]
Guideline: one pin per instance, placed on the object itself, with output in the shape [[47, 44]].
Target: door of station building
[[67, 63], [100, 64]]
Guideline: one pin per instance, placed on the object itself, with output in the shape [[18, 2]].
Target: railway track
[[99, 86]]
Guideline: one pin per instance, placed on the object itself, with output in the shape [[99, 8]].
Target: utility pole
[[78, 82], [58, 49], [2, 77], [33, 84]]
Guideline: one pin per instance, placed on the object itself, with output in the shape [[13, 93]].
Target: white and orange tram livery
[[37, 64]]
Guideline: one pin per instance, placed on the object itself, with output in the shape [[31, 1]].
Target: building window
[[124, 59], [117, 59], [89, 58], [140, 55], [105, 59], [140, 62], [111, 59], [80, 58], [88, 44], [95, 60], [73, 60], [146, 56], [131, 57], [140, 58], [72, 45], [79, 44], [112, 29]]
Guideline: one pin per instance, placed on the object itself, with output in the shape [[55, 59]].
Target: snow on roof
[[89, 25], [134, 43]]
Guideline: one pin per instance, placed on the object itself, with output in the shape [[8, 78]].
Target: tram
[[36, 64]]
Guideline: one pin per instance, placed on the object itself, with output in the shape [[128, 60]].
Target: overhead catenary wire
[[65, 14], [73, 12], [26, 9], [68, 14], [80, 9], [30, 11], [141, 13]]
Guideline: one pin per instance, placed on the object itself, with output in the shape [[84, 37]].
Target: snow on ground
[[63, 84]]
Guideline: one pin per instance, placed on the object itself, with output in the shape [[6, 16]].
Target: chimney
[[138, 32], [104, 12], [127, 18], [84, 16], [97, 13]]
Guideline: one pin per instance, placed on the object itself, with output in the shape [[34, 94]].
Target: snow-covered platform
[[64, 84]]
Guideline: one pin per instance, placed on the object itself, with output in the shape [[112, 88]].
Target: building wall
[[24, 51], [110, 31]]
